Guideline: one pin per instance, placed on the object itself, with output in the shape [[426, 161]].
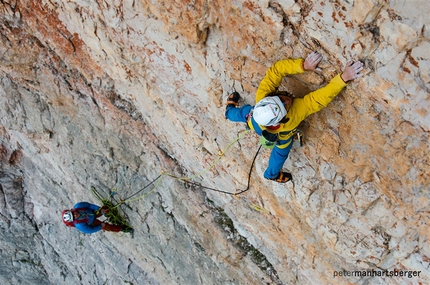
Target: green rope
[[241, 135], [113, 214], [188, 180], [128, 200]]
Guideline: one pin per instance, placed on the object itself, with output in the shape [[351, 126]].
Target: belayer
[[84, 217], [277, 115]]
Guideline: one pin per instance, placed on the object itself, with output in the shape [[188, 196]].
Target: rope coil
[[112, 214]]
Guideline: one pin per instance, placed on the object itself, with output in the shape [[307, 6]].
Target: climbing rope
[[220, 155], [156, 181], [250, 171], [230, 193], [188, 180], [115, 217], [112, 214]]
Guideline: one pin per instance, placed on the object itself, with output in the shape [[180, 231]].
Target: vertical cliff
[[112, 93]]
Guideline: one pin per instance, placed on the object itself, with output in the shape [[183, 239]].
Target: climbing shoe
[[233, 99], [283, 177]]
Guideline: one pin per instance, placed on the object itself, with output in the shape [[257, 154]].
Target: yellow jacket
[[300, 107]]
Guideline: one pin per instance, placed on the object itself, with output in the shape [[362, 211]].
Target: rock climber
[[277, 114], [84, 217]]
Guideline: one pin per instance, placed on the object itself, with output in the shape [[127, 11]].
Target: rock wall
[[110, 94]]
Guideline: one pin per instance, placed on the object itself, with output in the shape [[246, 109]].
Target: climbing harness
[[269, 140], [266, 143]]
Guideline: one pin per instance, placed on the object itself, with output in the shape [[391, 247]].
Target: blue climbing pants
[[279, 153]]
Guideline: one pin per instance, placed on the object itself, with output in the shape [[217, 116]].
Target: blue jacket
[[88, 215]]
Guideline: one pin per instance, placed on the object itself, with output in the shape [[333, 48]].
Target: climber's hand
[[311, 61], [352, 71], [104, 210]]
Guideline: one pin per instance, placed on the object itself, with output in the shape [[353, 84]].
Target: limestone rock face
[[112, 94]]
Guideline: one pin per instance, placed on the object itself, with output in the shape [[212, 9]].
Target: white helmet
[[67, 216], [269, 111]]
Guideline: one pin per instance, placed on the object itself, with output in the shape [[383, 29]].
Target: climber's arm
[[87, 228], [282, 68], [275, 73], [320, 98]]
